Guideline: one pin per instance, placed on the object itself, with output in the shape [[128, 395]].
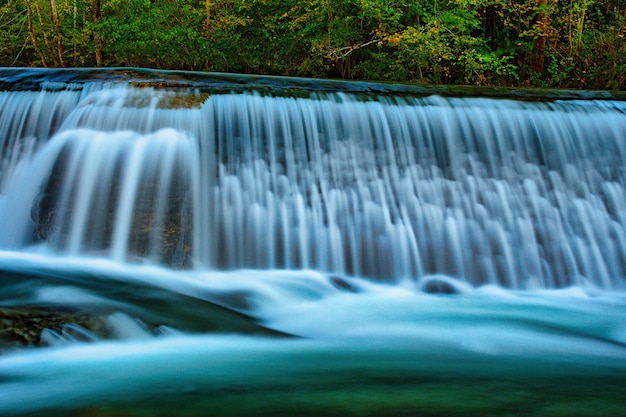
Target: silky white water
[[349, 339], [515, 194], [321, 254]]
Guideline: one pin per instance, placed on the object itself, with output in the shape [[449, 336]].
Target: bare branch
[[342, 53]]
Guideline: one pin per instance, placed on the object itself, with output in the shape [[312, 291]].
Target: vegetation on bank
[[543, 43]]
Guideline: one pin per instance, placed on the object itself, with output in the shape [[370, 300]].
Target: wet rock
[[163, 236], [439, 287], [443, 285], [342, 284], [22, 327]]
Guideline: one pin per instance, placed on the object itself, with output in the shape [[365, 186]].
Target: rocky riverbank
[[23, 326]]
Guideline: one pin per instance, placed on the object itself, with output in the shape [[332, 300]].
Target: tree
[[57, 24], [96, 17], [447, 44], [160, 34], [549, 43], [33, 37]]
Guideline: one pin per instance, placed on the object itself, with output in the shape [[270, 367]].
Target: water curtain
[[518, 194]]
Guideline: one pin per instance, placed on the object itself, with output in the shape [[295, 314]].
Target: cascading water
[[497, 192], [324, 214]]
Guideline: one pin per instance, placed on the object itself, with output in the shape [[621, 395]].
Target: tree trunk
[[75, 47], [538, 57], [57, 24], [49, 49], [33, 39], [96, 14]]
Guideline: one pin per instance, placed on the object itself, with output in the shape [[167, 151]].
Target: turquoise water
[[357, 349], [261, 246]]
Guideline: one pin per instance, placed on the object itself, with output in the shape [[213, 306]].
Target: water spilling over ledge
[[511, 193], [377, 224]]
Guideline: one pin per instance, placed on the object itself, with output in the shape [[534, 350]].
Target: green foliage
[[445, 49], [13, 39], [163, 34], [555, 43]]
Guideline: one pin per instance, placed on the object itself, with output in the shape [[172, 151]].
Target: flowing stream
[[342, 250]]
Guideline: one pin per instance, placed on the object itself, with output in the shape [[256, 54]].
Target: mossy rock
[[22, 327]]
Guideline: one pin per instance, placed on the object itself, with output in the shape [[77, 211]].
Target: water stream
[[293, 251]]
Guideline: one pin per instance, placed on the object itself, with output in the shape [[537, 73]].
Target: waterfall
[[517, 194]]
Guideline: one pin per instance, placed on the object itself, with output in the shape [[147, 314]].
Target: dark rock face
[[342, 284], [158, 231], [442, 285], [21, 327], [439, 287]]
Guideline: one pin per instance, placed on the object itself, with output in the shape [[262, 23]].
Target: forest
[[537, 43]]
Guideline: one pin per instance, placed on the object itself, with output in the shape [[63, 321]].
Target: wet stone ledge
[[58, 79], [22, 326]]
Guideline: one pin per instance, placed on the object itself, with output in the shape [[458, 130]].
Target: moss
[[22, 327]]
